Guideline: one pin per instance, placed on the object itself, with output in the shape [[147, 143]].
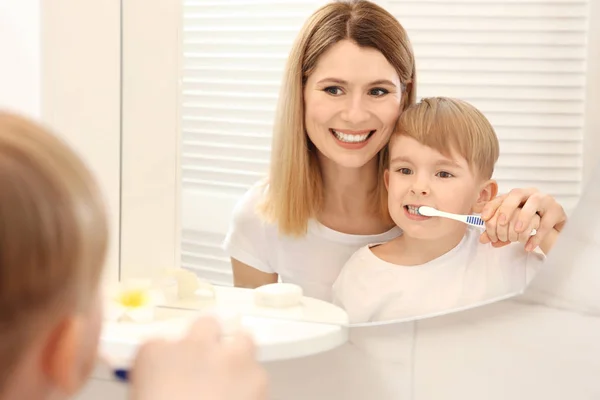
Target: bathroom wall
[[20, 55], [70, 81]]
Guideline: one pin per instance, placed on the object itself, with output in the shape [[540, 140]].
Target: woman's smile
[[352, 139]]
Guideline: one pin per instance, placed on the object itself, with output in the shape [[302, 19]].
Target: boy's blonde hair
[[295, 188], [53, 235], [451, 125]]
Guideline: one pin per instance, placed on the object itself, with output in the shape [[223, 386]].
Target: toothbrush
[[472, 220], [119, 369]]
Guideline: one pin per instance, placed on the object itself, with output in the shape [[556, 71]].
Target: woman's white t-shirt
[[313, 261]]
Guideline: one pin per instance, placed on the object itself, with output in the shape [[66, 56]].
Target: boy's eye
[[404, 171], [333, 90], [378, 92], [444, 174]]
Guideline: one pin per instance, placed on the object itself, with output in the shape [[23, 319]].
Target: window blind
[[523, 63], [233, 57]]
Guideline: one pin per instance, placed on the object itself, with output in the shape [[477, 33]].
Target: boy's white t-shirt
[[371, 289], [313, 261]]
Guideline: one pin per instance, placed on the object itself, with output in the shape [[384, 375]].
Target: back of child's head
[[450, 126], [53, 235]]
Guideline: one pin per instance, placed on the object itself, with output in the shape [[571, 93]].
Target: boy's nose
[[420, 188], [420, 191]]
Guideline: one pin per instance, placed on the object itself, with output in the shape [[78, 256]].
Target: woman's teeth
[[344, 137]]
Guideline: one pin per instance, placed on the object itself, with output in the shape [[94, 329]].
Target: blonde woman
[[350, 73]]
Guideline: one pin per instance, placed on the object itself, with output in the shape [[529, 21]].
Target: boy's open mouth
[[414, 210]]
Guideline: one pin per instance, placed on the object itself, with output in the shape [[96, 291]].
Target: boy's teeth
[[413, 210], [344, 137]]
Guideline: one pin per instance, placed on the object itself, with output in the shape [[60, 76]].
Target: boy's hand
[[202, 365], [524, 205]]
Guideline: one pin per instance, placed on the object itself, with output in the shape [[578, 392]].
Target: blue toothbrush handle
[[121, 375]]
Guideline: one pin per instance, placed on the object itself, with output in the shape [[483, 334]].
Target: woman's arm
[[548, 242], [247, 277], [248, 245]]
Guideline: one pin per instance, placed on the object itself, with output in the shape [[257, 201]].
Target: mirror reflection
[[317, 185]]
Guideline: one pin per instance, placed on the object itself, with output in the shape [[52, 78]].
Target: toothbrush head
[[427, 211]]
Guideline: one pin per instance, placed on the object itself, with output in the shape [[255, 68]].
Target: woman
[[350, 73]]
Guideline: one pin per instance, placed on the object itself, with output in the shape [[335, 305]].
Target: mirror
[[523, 65], [232, 75]]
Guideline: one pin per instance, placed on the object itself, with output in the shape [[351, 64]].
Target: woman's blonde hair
[[449, 126], [295, 190], [53, 234]]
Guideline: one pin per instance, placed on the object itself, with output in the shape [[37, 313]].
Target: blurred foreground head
[[53, 240]]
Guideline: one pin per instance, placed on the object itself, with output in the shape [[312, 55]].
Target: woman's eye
[[378, 92], [444, 174], [405, 171], [333, 90]]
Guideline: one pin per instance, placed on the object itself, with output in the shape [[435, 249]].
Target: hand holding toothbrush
[[516, 212], [477, 221]]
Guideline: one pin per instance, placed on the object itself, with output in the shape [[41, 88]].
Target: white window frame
[[150, 192], [151, 228], [591, 138]]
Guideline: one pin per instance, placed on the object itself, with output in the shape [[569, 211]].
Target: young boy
[[53, 239], [442, 155]]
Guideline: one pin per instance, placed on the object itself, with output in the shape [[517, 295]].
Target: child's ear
[[386, 178], [488, 190], [60, 355]]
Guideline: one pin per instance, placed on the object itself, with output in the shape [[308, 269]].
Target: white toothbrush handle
[[456, 217]]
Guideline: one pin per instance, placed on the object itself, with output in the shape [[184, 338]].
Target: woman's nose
[[355, 112]]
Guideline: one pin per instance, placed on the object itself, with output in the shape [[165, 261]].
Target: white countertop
[[280, 334], [240, 300]]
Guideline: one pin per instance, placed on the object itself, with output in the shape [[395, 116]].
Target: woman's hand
[[510, 217]]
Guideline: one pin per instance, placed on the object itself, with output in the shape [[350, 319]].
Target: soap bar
[[190, 286], [278, 295]]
